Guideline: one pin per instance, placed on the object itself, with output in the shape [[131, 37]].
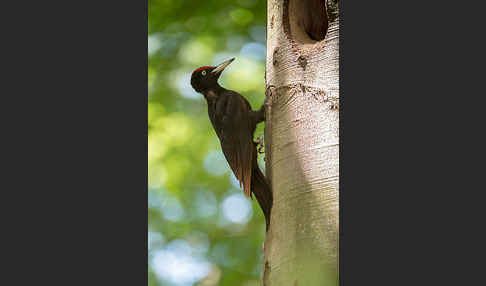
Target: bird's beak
[[219, 69]]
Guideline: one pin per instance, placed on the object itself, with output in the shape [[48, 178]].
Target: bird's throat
[[213, 93], [210, 95]]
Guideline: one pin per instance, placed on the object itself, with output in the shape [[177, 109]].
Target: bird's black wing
[[236, 136]]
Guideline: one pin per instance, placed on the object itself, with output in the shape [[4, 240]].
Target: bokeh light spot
[[237, 208], [235, 42], [199, 243], [154, 44], [242, 75], [215, 163], [254, 51], [172, 209], [241, 16], [155, 240], [258, 33], [205, 203], [175, 264], [195, 52]]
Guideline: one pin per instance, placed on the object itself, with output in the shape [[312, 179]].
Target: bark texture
[[302, 143]]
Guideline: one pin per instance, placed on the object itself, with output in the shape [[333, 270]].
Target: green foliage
[[198, 231]]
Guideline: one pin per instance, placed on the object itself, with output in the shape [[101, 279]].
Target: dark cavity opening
[[308, 20]]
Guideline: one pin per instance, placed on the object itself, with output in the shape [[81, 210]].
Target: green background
[[202, 231]]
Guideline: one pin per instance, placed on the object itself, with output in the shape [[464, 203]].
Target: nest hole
[[306, 21]]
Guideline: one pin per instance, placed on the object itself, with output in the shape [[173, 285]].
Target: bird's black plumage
[[235, 122]]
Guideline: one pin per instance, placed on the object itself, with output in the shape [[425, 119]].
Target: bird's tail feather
[[262, 192]]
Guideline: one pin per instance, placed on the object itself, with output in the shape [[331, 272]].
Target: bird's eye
[[203, 72]]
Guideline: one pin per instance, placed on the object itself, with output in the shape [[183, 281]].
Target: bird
[[235, 122]]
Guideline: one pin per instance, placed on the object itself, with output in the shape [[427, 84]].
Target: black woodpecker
[[234, 122]]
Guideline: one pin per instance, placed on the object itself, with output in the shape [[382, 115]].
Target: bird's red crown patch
[[201, 68]]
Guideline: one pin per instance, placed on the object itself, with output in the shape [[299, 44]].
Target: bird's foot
[[260, 144]]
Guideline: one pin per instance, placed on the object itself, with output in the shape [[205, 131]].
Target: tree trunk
[[302, 142]]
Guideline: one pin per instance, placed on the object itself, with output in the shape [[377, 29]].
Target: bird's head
[[204, 78]]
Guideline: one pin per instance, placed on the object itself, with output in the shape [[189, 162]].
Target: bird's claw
[[260, 144]]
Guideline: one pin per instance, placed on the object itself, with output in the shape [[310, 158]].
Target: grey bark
[[302, 147]]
